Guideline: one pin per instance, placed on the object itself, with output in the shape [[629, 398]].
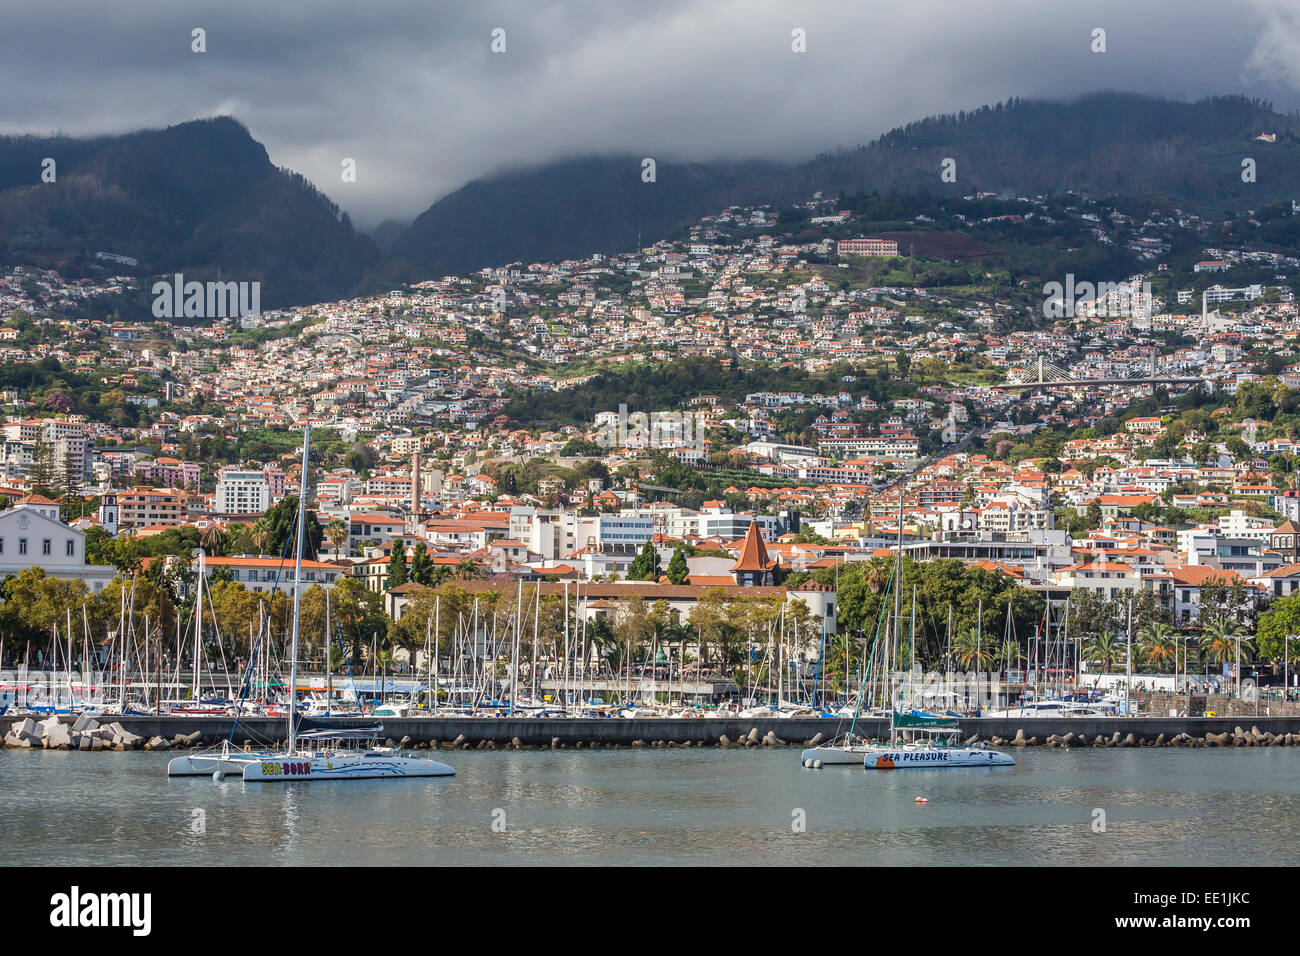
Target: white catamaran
[[322, 753], [930, 741]]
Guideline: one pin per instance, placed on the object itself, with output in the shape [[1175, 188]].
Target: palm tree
[[875, 578], [261, 535], [213, 537], [1223, 640], [466, 570], [1103, 649], [970, 651], [1218, 641], [1158, 645], [1010, 652], [336, 533], [601, 634]]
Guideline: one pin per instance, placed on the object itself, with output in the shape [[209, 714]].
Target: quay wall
[[619, 731]]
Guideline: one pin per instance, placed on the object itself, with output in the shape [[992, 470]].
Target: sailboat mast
[[329, 657], [198, 624], [514, 651], [564, 690], [898, 592], [537, 629], [911, 644], [297, 587], [1128, 660]]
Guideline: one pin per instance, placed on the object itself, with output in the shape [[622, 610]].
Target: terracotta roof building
[[754, 567]]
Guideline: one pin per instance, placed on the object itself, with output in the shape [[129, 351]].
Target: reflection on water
[[1162, 807]]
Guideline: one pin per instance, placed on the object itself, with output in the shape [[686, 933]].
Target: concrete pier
[[696, 731]]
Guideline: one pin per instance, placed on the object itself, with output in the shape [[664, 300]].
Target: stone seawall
[[168, 732]]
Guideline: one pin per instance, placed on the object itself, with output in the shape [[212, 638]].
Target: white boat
[[842, 751], [632, 713], [392, 708], [330, 753], [339, 755], [219, 762], [320, 706], [1053, 707], [919, 740], [934, 755]]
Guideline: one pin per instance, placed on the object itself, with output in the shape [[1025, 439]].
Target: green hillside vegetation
[[200, 198]]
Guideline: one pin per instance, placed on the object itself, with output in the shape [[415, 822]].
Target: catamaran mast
[[564, 689], [898, 591], [514, 651], [297, 588], [1128, 662], [198, 623], [329, 657]]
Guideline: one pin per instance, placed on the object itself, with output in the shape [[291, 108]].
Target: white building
[[31, 535], [242, 492]]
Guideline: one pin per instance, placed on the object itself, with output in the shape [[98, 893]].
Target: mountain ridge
[[203, 197]]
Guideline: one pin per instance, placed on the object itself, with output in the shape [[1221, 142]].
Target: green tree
[[1281, 620], [1158, 646], [397, 565], [677, 567], [1222, 641], [1104, 649], [971, 652], [645, 566], [421, 565], [282, 520], [337, 533]]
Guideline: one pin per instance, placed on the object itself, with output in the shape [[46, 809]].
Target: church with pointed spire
[[754, 568]]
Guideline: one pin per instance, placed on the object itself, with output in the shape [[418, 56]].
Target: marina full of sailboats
[[923, 714], [493, 659]]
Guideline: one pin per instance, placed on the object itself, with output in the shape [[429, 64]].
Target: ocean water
[[1158, 807]]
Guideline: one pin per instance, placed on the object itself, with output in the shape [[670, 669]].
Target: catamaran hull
[[307, 769], [935, 759], [205, 765], [835, 755]]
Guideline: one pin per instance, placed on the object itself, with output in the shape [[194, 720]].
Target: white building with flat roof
[[242, 491]]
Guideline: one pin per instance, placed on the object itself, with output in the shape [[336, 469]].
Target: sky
[[412, 91]]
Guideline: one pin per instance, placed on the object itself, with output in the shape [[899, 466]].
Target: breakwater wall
[[425, 731]]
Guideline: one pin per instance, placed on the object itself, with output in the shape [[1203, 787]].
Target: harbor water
[[1098, 807]]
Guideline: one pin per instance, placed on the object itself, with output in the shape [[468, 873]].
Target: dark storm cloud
[[411, 91]]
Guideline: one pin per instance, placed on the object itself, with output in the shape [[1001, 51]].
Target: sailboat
[[851, 748], [326, 752]]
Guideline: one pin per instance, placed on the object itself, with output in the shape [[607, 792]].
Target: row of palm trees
[[1157, 647], [216, 535]]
